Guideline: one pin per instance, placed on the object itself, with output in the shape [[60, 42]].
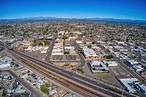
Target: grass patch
[[109, 56], [100, 72]]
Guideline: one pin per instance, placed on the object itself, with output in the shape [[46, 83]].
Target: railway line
[[71, 76], [62, 80], [59, 80]]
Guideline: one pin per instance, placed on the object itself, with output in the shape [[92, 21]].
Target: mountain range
[[55, 18]]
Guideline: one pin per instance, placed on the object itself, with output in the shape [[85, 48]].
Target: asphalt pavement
[[82, 60], [49, 52]]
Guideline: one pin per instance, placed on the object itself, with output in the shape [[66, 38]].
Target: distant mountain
[[55, 18], [40, 18], [117, 20]]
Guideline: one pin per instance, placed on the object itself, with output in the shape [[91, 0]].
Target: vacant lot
[[119, 72]]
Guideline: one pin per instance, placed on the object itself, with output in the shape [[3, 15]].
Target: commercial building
[[26, 43], [135, 65], [98, 66], [61, 48], [95, 47], [142, 88], [5, 61], [57, 51], [131, 63], [131, 84], [58, 48], [128, 84], [50, 37], [79, 42], [72, 38], [68, 47], [111, 63], [42, 49], [138, 68], [89, 53]]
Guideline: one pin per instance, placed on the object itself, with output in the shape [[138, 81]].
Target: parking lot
[[71, 57], [64, 58], [57, 57]]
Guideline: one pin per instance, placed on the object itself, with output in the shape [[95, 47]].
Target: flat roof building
[[128, 84], [138, 68], [111, 63], [89, 53], [98, 66], [142, 88], [131, 62]]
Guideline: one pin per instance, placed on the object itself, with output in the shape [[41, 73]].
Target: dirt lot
[[119, 72], [63, 63], [64, 58], [37, 55]]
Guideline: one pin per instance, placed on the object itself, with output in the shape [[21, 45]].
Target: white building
[[131, 62], [89, 53], [79, 42], [98, 66], [58, 51], [5, 62], [61, 32], [72, 38], [69, 47], [138, 68], [111, 63]]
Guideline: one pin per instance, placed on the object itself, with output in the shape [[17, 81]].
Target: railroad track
[[69, 75], [76, 88], [62, 80]]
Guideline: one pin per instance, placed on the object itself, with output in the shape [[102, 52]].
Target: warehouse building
[[128, 84]]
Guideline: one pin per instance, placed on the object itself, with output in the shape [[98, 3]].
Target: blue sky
[[121, 9]]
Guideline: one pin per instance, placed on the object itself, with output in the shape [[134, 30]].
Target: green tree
[[25, 94], [66, 64], [46, 43], [64, 37], [28, 71], [40, 44], [66, 52], [4, 93], [89, 46], [12, 63], [109, 56], [35, 42], [82, 70], [44, 89]]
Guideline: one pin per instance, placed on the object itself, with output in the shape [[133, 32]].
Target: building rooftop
[[89, 52], [132, 62], [143, 87], [128, 82], [98, 65]]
